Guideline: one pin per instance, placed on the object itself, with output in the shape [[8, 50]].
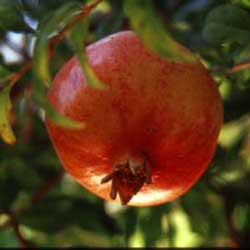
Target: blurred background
[[40, 205]]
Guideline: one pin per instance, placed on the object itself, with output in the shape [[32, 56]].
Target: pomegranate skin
[[171, 112]]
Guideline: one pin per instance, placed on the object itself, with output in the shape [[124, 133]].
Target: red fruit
[[150, 136]]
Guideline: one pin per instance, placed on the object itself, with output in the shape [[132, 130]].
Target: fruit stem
[[127, 179]]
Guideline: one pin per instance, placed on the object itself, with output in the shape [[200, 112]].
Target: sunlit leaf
[[77, 38], [41, 54], [151, 30], [5, 108], [232, 131], [184, 237], [227, 23], [244, 3], [41, 63]]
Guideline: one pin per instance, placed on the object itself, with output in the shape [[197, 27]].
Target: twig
[[16, 228], [240, 66], [39, 195], [234, 69], [36, 197], [84, 11]]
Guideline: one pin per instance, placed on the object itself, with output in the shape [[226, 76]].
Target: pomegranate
[[150, 136]]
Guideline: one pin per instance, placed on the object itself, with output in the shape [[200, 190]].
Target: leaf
[[151, 218], [8, 193], [77, 38], [10, 17], [37, 216], [57, 19], [41, 64], [5, 107], [8, 238], [41, 61], [39, 95], [227, 23], [113, 22], [203, 223], [128, 222], [244, 3], [66, 211], [3, 72], [149, 27], [41, 54]]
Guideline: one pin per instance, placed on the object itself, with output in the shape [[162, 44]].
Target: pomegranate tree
[[148, 137]]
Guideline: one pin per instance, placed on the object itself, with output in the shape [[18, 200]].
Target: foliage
[[42, 206]]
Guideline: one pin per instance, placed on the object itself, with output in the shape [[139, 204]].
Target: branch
[[83, 13], [240, 66], [39, 195], [13, 223], [236, 68]]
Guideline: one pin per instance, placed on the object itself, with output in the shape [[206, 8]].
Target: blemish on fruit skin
[[171, 111]]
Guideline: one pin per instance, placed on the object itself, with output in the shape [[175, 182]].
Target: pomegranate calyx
[[127, 179]]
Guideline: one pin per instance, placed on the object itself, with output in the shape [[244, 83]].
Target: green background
[[42, 206]]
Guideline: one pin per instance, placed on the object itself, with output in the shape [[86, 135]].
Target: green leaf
[[5, 106], [3, 73], [39, 95], [8, 238], [148, 219], [41, 63], [77, 38], [113, 22], [10, 17], [58, 18], [243, 3], [59, 207], [151, 30], [8, 193], [49, 25], [227, 23], [203, 223], [66, 211]]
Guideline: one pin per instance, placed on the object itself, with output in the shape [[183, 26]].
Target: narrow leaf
[[39, 95], [5, 106], [227, 23], [41, 62], [41, 53], [3, 72], [151, 30], [58, 18], [77, 38], [10, 17]]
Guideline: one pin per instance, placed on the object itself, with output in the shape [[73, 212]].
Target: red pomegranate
[[150, 136]]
